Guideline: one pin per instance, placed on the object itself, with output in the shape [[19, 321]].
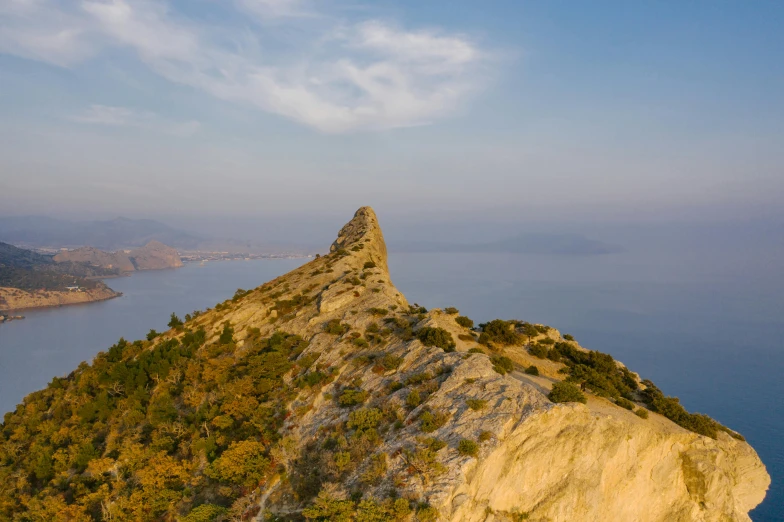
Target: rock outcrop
[[155, 256], [555, 462]]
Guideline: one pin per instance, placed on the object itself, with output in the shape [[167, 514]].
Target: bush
[[242, 464], [426, 513], [624, 403], [378, 311], [464, 321], [568, 337], [566, 392], [152, 334], [538, 350], [413, 399], [532, 370], [431, 421], [641, 413], [205, 513], [502, 364], [351, 397], [485, 435], [364, 419], [369, 264], [451, 310], [438, 337], [500, 332], [468, 448], [334, 327], [476, 404]]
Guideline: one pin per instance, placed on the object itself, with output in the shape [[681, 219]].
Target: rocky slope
[[324, 395], [92, 256]]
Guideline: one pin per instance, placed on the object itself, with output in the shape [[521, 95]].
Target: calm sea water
[[706, 330]]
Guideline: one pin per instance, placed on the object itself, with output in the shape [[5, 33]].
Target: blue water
[[711, 336], [708, 330]]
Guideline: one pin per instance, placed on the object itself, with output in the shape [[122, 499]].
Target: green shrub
[[476, 404], [426, 513], [352, 396], [568, 337], [413, 399], [227, 335], [243, 463], [468, 448], [174, 321], [334, 327], [641, 413], [205, 513], [451, 310], [438, 337], [360, 342], [624, 403], [532, 370], [431, 421], [378, 311], [464, 321], [152, 334], [485, 435], [502, 364], [369, 264], [364, 419], [500, 332], [476, 350], [538, 350], [566, 392]]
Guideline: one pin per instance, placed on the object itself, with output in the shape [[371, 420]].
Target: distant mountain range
[[115, 234], [531, 243]]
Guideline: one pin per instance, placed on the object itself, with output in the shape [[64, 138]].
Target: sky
[[218, 112]]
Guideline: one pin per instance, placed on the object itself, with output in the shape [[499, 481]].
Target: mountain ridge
[[324, 395]]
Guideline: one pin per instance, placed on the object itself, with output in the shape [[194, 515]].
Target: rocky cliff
[[325, 395], [155, 256]]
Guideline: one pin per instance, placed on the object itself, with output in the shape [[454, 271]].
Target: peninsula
[[325, 395]]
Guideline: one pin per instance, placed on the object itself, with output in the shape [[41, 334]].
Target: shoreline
[[8, 311]]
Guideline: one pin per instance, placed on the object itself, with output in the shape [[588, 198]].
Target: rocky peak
[[363, 233]]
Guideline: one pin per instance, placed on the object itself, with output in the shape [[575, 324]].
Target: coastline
[[15, 300]]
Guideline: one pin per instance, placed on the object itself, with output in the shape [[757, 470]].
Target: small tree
[[468, 448], [566, 392], [464, 321], [174, 321]]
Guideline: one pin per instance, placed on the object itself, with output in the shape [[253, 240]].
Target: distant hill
[[152, 256], [534, 243], [114, 234], [29, 279]]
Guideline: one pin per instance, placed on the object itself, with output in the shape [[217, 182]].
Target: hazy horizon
[[259, 110]]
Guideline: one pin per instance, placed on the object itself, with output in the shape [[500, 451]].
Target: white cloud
[[360, 75], [126, 117]]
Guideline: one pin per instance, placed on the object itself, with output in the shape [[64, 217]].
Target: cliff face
[[155, 256], [594, 461], [92, 256]]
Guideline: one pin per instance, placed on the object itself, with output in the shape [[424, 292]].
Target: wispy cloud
[[126, 117], [353, 75]]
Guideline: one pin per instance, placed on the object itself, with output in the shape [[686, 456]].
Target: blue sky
[[562, 111]]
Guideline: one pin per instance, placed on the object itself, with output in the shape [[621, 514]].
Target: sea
[[706, 329]]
